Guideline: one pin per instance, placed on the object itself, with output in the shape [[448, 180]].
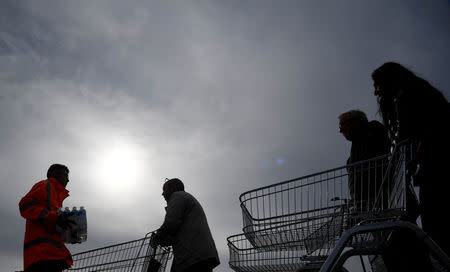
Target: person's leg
[[406, 253], [47, 266], [198, 268], [202, 266], [433, 221], [434, 194]]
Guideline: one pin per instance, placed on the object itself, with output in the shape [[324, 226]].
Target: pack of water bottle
[[78, 232]]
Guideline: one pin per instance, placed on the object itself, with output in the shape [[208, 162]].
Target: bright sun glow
[[119, 167]]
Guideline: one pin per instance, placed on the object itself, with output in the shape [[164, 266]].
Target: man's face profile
[[62, 176], [348, 127]]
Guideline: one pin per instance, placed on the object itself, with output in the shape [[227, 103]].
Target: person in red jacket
[[43, 249]]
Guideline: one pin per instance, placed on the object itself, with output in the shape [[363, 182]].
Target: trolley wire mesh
[[136, 255], [317, 195], [298, 222], [244, 257]]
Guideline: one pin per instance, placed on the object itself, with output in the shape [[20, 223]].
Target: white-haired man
[[369, 140]]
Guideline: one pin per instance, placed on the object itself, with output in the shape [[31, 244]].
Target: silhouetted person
[[413, 109], [43, 248], [369, 140], [186, 229]]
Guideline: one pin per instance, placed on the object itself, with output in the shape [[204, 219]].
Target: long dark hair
[[394, 80]]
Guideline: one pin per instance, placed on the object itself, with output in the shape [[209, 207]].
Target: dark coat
[[364, 180], [186, 222], [424, 117]]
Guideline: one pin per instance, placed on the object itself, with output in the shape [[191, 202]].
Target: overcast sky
[[227, 95]]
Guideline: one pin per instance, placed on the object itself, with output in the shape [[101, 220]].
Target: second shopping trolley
[[296, 224]]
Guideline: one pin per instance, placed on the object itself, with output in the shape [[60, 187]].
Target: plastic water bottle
[[77, 233], [74, 228], [82, 236], [65, 233]]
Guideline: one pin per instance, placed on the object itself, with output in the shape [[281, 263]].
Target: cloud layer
[[226, 95]]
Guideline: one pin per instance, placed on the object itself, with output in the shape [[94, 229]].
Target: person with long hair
[[411, 108]]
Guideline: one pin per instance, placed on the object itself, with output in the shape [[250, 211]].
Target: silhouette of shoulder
[[377, 128], [182, 198]]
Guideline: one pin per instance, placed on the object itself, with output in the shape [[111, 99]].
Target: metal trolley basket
[[321, 194], [137, 255], [295, 225]]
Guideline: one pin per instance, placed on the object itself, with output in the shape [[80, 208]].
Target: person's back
[[193, 241], [415, 110], [366, 179], [369, 140], [373, 143], [186, 229]]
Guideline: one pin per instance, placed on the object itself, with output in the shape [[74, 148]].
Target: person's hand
[[160, 239], [412, 167], [64, 222], [153, 242], [74, 240]]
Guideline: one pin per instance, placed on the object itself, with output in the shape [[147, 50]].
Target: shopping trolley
[[371, 235], [296, 246], [302, 245], [245, 257], [139, 255], [301, 221], [316, 195]]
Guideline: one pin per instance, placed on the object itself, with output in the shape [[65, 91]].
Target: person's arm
[[381, 143], [174, 214], [174, 218], [35, 205], [411, 117]]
